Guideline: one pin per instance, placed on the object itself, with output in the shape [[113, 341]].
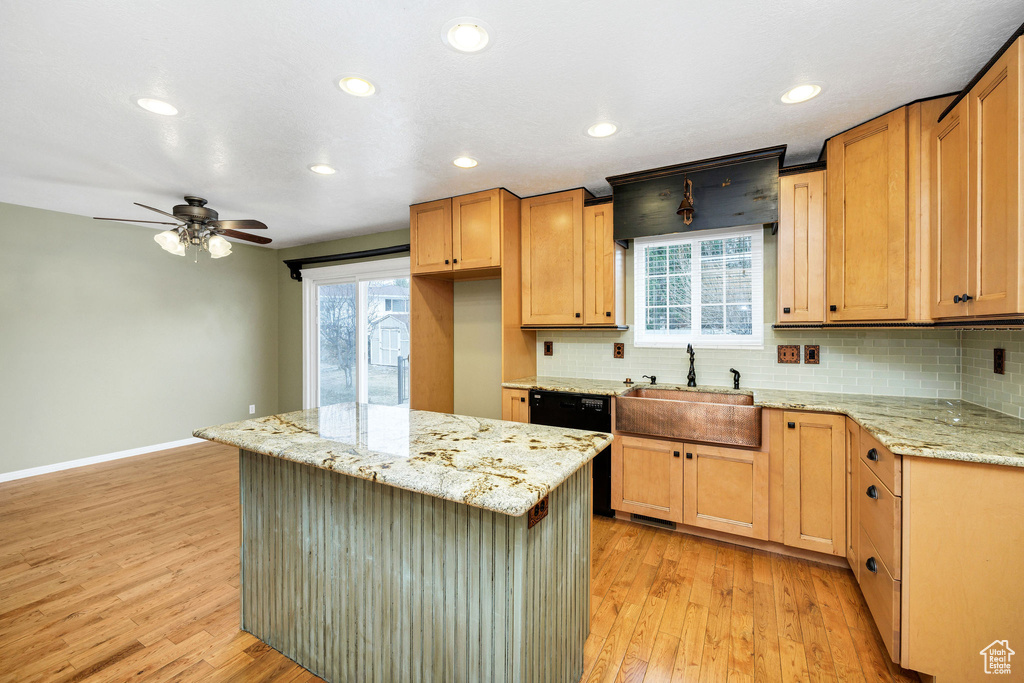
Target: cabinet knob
[[965, 297], [455, 260], [873, 455], [522, 399], [608, 313], [786, 309], [577, 315], [446, 262], [675, 454], [871, 565], [833, 308], [791, 425], [689, 456], [872, 492]]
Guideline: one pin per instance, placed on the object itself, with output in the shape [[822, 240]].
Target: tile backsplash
[[981, 385], [886, 362]]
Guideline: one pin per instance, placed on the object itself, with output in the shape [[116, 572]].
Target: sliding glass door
[[356, 333]]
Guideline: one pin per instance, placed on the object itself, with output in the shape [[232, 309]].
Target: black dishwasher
[[580, 411]]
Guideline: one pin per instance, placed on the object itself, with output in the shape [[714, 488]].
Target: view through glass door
[[356, 332]]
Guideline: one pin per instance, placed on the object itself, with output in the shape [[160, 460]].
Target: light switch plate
[[812, 354], [789, 353], [549, 348]]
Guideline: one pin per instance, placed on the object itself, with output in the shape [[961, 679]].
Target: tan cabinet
[[603, 268], [647, 477], [552, 235], [997, 228], [430, 237], [726, 489], [852, 449], [515, 405], [814, 482], [949, 215], [459, 233], [801, 276], [867, 228]]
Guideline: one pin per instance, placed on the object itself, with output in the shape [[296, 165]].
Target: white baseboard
[[67, 465]]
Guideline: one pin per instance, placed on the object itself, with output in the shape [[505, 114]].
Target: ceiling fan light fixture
[[356, 85], [218, 247], [322, 169], [151, 104], [168, 240], [801, 93]]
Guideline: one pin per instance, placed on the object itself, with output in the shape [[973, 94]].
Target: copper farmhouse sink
[[706, 416]]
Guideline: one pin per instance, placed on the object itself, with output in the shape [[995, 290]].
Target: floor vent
[[652, 521]]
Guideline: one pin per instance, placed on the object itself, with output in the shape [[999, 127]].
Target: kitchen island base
[[359, 581]]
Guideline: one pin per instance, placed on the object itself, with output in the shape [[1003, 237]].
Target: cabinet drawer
[[882, 595], [886, 466], [880, 516]]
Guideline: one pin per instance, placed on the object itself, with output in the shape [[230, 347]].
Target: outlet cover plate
[[619, 350], [549, 348], [812, 354], [789, 353]]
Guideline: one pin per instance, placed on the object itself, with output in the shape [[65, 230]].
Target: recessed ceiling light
[[157, 106], [602, 129], [465, 162], [801, 93], [466, 35], [322, 169], [355, 85]]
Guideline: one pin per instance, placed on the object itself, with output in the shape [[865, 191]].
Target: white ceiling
[[254, 81]]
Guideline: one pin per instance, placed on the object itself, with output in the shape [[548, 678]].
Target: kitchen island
[[379, 543]]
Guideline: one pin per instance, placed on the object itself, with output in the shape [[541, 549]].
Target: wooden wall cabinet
[[996, 218], [647, 477], [726, 489], [950, 216], [867, 230], [852, 508], [515, 405], [457, 234], [604, 263], [573, 271], [814, 482], [801, 261]]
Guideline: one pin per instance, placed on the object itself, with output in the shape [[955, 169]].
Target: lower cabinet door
[[814, 482], [726, 489], [647, 477], [515, 405]]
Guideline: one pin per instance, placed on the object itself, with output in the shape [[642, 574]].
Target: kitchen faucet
[[735, 378], [691, 376]]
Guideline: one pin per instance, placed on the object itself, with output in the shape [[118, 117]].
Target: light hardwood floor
[[129, 569]]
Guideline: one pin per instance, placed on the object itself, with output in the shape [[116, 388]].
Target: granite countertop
[[948, 429], [504, 467], [573, 385]]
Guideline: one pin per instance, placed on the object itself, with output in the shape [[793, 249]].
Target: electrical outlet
[[549, 348], [812, 354], [619, 350], [252, 409], [999, 361], [789, 353]]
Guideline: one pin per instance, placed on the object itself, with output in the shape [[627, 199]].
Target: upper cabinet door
[[476, 230], [802, 248], [949, 215], [995, 157], [552, 267], [867, 221], [599, 266], [430, 237]]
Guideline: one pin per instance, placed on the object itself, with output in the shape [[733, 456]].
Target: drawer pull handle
[[873, 455], [871, 565], [872, 492]]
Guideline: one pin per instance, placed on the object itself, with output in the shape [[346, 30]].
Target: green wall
[[108, 343], [289, 318]]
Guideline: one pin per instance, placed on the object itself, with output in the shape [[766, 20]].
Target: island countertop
[[504, 467]]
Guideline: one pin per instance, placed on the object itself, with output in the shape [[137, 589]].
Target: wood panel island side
[[379, 543]]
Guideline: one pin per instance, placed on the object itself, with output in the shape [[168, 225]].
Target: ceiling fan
[[198, 226]]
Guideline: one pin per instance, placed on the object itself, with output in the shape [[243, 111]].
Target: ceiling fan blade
[[239, 225], [132, 220], [243, 236], [171, 215]]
